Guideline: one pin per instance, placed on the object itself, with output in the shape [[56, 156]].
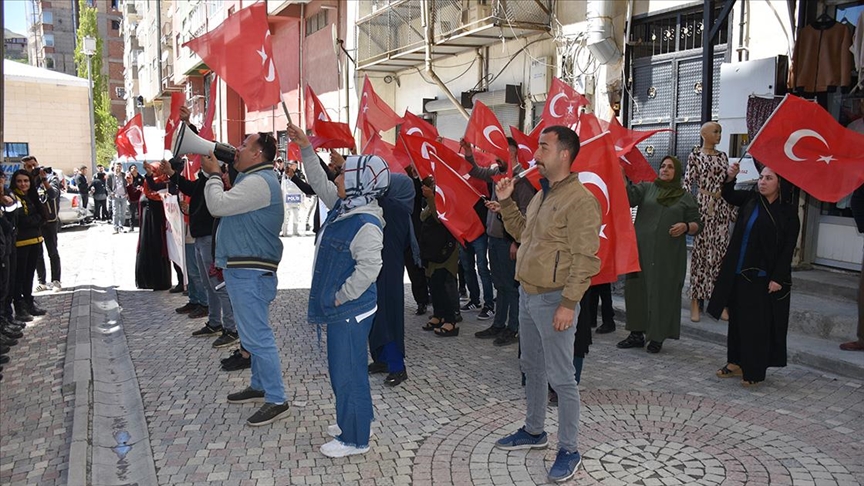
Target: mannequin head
[[710, 133]]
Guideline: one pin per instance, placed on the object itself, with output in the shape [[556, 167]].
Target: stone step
[[819, 353], [825, 282]]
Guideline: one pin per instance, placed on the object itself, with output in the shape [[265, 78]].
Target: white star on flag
[[827, 159]]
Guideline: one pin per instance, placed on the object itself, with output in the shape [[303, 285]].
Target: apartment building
[[52, 37]]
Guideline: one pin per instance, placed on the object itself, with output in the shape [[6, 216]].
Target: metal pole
[[92, 118], [707, 60]]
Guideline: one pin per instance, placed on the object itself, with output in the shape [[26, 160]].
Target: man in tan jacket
[[559, 238]]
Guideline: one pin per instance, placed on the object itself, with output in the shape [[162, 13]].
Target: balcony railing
[[391, 35]]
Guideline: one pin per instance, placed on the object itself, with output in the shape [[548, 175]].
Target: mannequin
[[706, 170]]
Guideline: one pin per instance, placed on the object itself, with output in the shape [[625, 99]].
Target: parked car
[[71, 211]]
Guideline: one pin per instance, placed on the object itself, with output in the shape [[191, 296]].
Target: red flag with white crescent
[[562, 105], [130, 139], [804, 144], [484, 131], [240, 51], [598, 170]]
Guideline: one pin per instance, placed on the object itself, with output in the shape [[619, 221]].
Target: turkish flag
[[425, 152], [454, 198], [631, 159], [374, 114], [130, 139], [414, 125], [485, 132], [804, 144], [562, 105], [293, 153], [527, 147], [315, 110], [598, 170], [377, 146], [332, 135], [177, 100], [240, 52]]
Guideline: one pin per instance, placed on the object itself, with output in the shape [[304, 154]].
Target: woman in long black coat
[[387, 337], [755, 280]]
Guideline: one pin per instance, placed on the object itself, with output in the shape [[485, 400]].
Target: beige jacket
[[559, 237]]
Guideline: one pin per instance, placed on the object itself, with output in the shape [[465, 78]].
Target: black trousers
[[25, 267], [445, 296], [133, 214], [593, 297], [84, 198], [49, 233], [419, 283], [100, 209]]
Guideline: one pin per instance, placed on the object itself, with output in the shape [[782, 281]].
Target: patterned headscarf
[[367, 177]]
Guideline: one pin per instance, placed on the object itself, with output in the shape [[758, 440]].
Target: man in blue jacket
[[248, 250]]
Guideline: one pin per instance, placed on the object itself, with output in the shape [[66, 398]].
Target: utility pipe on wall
[[430, 35]]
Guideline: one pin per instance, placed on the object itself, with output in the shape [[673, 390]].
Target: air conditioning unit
[[476, 14]]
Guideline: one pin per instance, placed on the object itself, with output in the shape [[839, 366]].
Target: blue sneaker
[[522, 440], [565, 467]]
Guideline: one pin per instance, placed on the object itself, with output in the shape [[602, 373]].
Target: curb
[[110, 440], [819, 354]]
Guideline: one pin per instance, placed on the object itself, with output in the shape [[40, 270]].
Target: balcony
[[391, 37], [130, 12]]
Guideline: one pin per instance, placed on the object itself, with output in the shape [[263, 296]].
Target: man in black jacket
[[858, 213], [49, 194], [201, 223]]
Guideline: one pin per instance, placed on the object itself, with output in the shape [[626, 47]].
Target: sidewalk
[[646, 419]]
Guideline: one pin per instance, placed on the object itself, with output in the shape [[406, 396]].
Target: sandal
[[725, 372], [443, 332], [434, 323], [749, 383]]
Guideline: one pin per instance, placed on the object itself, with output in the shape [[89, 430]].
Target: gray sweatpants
[[547, 359]]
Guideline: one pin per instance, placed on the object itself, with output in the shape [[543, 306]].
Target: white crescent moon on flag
[[271, 73], [426, 149], [552, 104], [525, 148], [795, 137], [440, 192], [592, 178], [135, 136], [488, 131], [414, 130]]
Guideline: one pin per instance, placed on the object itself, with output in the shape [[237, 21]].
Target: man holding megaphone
[[248, 250]]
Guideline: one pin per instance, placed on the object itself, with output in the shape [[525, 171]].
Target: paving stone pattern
[[646, 419]]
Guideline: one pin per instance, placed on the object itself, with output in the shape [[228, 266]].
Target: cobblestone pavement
[[646, 419]]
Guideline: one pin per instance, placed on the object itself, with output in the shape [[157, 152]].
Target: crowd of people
[[529, 272]]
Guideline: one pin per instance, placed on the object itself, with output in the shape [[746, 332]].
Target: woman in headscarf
[[755, 280], [343, 294], [666, 214], [31, 215], [152, 267], [387, 339]]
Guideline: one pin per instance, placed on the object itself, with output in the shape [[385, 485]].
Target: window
[[91, 3], [120, 92], [316, 22], [114, 4], [12, 149], [49, 62], [115, 25], [47, 17], [48, 40]]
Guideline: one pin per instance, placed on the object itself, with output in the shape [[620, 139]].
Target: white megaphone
[[188, 142]]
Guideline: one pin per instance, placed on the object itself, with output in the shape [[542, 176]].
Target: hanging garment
[[822, 60]]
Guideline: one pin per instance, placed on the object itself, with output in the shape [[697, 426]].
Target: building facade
[[14, 45], [52, 36]]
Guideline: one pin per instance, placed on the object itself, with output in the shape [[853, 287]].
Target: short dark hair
[[268, 146], [512, 142], [567, 140]]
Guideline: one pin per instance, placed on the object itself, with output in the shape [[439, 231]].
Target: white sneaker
[[56, 285], [334, 448], [42, 287], [334, 431]]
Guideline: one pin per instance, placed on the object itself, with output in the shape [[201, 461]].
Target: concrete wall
[[53, 119]]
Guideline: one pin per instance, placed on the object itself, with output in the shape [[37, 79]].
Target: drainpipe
[[600, 41], [427, 22]]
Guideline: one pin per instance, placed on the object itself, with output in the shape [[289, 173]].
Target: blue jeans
[[221, 312], [346, 360], [504, 279], [477, 248], [252, 291], [119, 211], [197, 293], [547, 359]]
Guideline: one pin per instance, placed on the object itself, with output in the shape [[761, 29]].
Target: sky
[[14, 16]]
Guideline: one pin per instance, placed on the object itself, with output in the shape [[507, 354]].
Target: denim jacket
[[334, 264]]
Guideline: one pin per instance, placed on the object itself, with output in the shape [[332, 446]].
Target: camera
[[48, 170]]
